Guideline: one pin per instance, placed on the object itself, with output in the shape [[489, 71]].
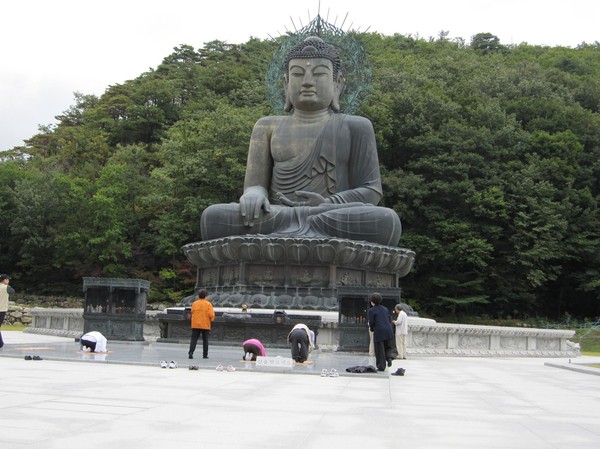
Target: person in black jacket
[[380, 323]]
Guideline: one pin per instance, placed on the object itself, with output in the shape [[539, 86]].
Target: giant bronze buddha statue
[[314, 173]]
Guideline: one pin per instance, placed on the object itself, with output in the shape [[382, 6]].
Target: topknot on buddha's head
[[314, 47]]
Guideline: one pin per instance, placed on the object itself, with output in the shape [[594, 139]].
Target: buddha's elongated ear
[[288, 103], [338, 88]]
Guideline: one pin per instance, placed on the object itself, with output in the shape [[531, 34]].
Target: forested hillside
[[489, 153]]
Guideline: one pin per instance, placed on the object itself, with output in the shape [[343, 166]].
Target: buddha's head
[[313, 80]]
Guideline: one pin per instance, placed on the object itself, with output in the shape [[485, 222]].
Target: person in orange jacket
[[202, 315]]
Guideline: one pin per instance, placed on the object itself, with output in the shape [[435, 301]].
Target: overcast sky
[[50, 49]]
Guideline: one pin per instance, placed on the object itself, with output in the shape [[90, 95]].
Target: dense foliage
[[489, 153]]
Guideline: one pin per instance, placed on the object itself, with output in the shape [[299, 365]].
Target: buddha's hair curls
[[314, 47]]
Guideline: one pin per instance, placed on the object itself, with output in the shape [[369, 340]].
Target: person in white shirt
[[93, 341], [401, 323]]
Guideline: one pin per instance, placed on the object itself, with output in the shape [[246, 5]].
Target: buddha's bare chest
[[291, 140]]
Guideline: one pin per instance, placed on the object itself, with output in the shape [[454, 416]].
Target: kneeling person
[[302, 340], [252, 349], [93, 341]]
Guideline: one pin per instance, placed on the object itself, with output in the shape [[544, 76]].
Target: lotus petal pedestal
[[293, 273]]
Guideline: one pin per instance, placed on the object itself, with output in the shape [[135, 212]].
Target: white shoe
[[230, 369], [163, 364], [172, 364], [324, 373], [219, 367]]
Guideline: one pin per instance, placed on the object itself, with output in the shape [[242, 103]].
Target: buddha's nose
[[308, 79]]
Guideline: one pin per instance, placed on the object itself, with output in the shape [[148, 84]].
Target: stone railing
[[472, 340], [425, 338], [69, 323], [57, 322]]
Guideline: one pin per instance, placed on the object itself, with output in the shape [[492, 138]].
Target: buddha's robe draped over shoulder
[[342, 165]]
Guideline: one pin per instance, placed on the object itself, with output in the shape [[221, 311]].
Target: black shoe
[[389, 361], [37, 357], [190, 356], [204, 356], [399, 372], [194, 367], [28, 357]]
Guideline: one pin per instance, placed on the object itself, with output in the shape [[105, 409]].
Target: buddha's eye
[[321, 70], [296, 72]]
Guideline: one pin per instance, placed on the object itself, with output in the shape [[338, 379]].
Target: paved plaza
[[124, 399]]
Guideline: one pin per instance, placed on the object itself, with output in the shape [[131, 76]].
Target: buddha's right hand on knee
[[252, 202]]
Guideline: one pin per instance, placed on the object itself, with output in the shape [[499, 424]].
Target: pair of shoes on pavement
[[399, 372], [194, 367], [229, 369], [35, 357], [332, 373], [172, 364]]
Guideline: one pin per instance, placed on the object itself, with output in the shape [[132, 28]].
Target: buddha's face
[[310, 84]]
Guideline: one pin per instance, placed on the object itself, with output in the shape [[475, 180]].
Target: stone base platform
[[232, 326]]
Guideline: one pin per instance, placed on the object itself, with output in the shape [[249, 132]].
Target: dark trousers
[[252, 349], [88, 344], [195, 336], [383, 353], [299, 341], [2, 315]]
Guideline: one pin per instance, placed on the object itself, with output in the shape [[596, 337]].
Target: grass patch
[[589, 340], [13, 327]]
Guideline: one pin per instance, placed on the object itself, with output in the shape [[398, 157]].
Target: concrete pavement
[[67, 400]]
